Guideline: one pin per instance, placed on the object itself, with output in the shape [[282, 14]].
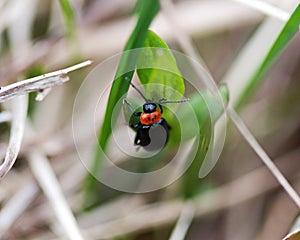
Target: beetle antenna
[[163, 101], [129, 105], [139, 91]]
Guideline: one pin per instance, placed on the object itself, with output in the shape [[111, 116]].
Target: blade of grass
[[184, 222], [147, 12], [263, 155], [69, 17], [47, 180], [16, 206], [266, 8], [251, 185], [246, 62], [19, 114], [71, 29], [288, 32]]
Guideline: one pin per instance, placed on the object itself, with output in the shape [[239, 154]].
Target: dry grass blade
[[39, 83], [16, 206], [20, 105], [267, 9], [48, 182], [183, 223], [19, 114], [5, 116], [242, 189], [263, 155]]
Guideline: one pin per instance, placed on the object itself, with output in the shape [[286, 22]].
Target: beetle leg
[[162, 100], [159, 104], [161, 109], [135, 126], [137, 140], [137, 114]]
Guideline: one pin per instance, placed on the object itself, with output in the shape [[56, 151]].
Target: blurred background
[[239, 199]]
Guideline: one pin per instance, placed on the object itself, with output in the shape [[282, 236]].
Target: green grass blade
[[148, 10], [69, 18], [287, 33]]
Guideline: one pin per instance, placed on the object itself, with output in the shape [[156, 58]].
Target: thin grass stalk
[[46, 178], [16, 206], [19, 114], [184, 222], [238, 122], [266, 8]]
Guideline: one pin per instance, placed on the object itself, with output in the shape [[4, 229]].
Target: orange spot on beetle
[[150, 118]]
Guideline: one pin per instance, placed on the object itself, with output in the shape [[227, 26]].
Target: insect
[[152, 129]]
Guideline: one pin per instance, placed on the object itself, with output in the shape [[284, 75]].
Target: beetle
[[152, 129]]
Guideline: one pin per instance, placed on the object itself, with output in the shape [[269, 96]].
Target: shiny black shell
[[153, 137]]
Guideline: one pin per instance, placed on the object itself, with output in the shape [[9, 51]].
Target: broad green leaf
[[157, 70], [287, 33]]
